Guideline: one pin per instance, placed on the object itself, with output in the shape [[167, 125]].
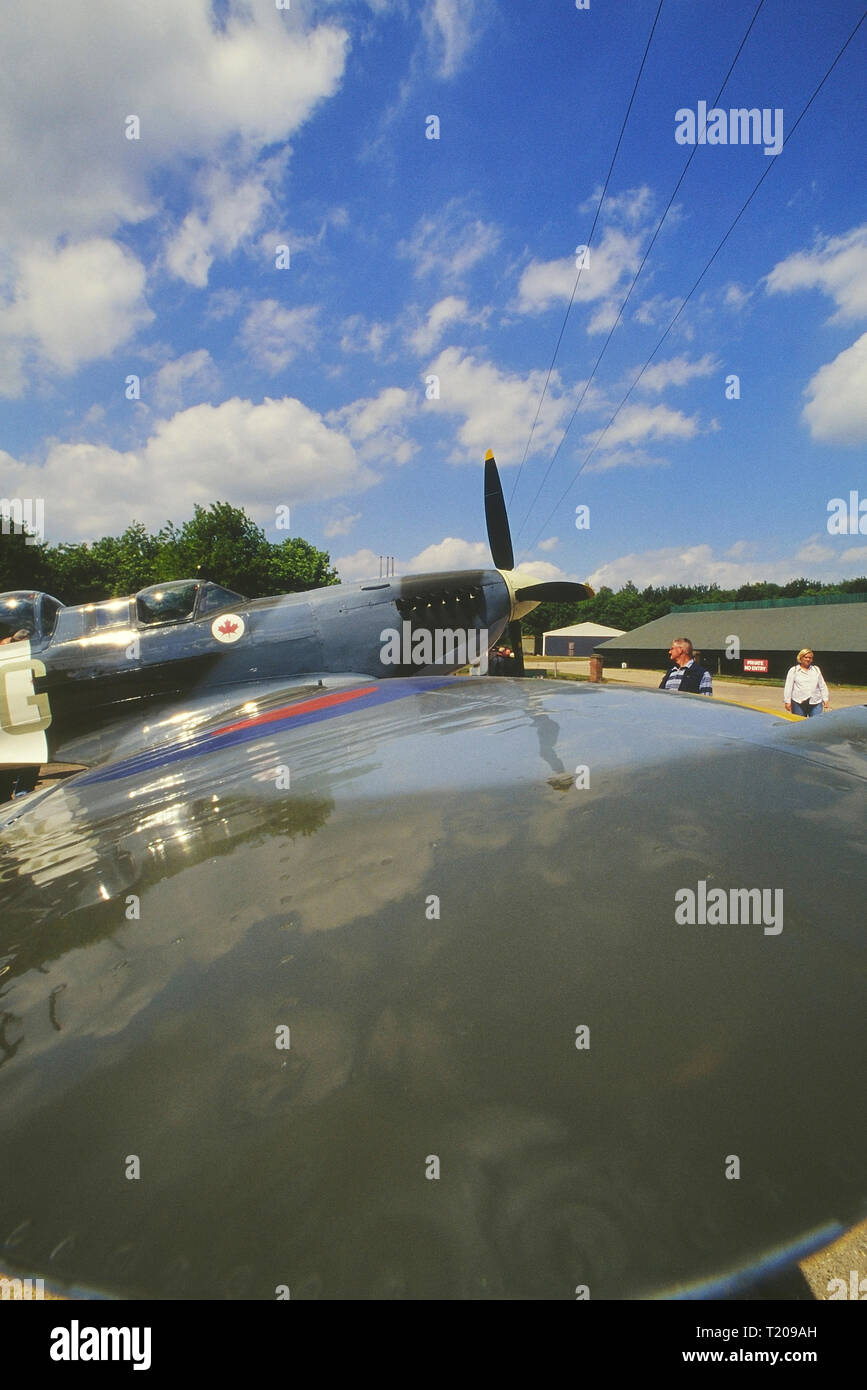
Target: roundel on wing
[[229, 627]]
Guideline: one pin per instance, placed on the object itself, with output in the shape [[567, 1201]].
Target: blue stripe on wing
[[245, 730]]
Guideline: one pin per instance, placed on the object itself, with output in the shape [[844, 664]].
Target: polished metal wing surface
[[388, 989]]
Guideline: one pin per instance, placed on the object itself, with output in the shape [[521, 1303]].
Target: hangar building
[[578, 640], [769, 632]]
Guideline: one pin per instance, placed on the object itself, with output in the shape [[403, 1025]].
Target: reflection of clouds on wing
[[329, 887], [452, 1036], [98, 861]]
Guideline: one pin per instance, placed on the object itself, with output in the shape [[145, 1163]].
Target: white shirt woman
[[806, 692]]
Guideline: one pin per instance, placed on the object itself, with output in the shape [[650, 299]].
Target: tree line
[[630, 607], [219, 542], [223, 543]]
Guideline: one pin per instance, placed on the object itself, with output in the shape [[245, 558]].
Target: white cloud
[[273, 336], [258, 455], [449, 244], [357, 334], [610, 263], [223, 304], [194, 372], [445, 312], [813, 551], [550, 544], [699, 564], [13, 380], [820, 560], [677, 371], [658, 311], [741, 550], [445, 555], [633, 205], [452, 28], [836, 265], [194, 84], [605, 459], [377, 425], [693, 564], [199, 89], [277, 234], [371, 415], [541, 569], [341, 525], [230, 208], [498, 407], [363, 564], [736, 297], [73, 306], [836, 410], [451, 554], [604, 317], [643, 422]]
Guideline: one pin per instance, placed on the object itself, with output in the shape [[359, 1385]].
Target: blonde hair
[[805, 651]]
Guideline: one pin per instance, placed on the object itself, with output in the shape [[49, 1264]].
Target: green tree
[[130, 558], [223, 543], [219, 542], [295, 564], [80, 573], [23, 566]]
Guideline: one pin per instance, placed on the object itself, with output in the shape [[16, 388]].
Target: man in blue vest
[[684, 673]]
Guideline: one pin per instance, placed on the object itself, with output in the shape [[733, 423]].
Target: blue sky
[[454, 258]]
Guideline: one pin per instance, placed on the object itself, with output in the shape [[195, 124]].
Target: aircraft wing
[[385, 989]]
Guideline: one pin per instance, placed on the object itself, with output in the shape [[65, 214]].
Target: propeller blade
[[554, 591], [499, 536]]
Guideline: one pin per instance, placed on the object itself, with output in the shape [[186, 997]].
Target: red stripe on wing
[[304, 707]]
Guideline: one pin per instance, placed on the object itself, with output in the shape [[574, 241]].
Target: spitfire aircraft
[[326, 977], [74, 671]]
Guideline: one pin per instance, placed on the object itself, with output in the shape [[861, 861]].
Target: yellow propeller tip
[[489, 455]]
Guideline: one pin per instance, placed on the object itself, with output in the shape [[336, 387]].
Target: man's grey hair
[[683, 642]]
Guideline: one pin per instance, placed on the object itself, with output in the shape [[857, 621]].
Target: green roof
[[825, 627], [804, 600]]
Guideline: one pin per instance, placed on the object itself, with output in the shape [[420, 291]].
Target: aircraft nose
[[527, 591]]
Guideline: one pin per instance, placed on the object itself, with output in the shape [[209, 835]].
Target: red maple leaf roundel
[[227, 627]]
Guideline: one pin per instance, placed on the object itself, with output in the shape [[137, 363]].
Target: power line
[[651, 244], [589, 240], [707, 267]]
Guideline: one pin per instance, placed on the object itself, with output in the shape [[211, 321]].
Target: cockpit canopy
[[182, 600], [27, 610], [36, 614]]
